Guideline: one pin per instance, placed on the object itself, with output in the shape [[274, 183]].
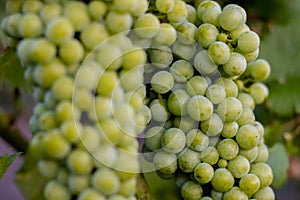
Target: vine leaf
[[5, 162], [278, 153], [11, 69], [29, 180]]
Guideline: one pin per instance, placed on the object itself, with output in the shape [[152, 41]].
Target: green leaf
[[29, 180], [5, 162], [11, 69], [279, 162]]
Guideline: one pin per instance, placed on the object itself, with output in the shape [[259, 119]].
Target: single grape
[[264, 172], [30, 25], [177, 102], [71, 51], [184, 51], [205, 5], [232, 17], [90, 193], [77, 183], [239, 166], [164, 6], [246, 100], [140, 8], [173, 140], [93, 34], [230, 109], [250, 154], [236, 65], [159, 110], [222, 180], [199, 108], [117, 22], [56, 190], [181, 70], [222, 163], [191, 191], [196, 85], [264, 194], [161, 56], [63, 87], [230, 129], [250, 184], [185, 123], [203, 173], [179, 12], [229, 85], [164, 162], [107, 83], [162, 82], [219, 52], [247, 117], [248, 42], [240, 30], [197, 140], [203, 63], [187, 160], [192, 14], [235, 193], [186, 33], [59, 30], [211, 15], [216, 195], [104, 155], [80, 162], [206, 34], [209, 155], [124, 6], [258, 70], [97, 9], [259, 92], [215, 93], [247, 136], [47, 168], [251, 56], [146, 26], [128, 187], [228, 149], [166, 35], [42, 51], [77, 14], [212, 126]]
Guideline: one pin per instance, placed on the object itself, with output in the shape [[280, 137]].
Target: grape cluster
[[203, 91], [87, 78], [186, 76]]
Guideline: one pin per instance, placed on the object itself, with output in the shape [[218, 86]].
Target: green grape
[[235, 193], [173, 140], [164, 162], [146, 26], [47, 120], [250, 184], [206, 198], [248, 42], [250, 154], [191, 191], [203, 173], [203, 63], [230, 86], [211, 15], [179, 12], [30, 25], [177, 102], [264, 194], [199, 108], [77, 183], [166, 34], [185, 123], [161, 56], [247, 136], [42, 51], [239, 166], [117, 22], [247, 117], [183, 51], [93, 34], [71, 130], [197, 140], [59, 30], [134, 57], [64, 111], [236, 65], [90, 194], [222, 180], [230, 109], [104, 155], [215, 195], [32, 6], [89, 138], [222, 163], [215, 93], [71, 51], [164, 6], [162, 82], [219, 52], [251, 56], [109, 56], [205, 5], [107, 84], [186, 33], [240, 30], [77, 13], [260, 128], [228, 149], [206, 34], [79, 161], [50, 11], [111, 130], [192, 14], [124, 116], [135, 100], [97, 9], [56, 190], [131, 79], [128, 187], [124, 6], [263, 154], [63, 87], [124, 169], [187, 160], [229, 129], [159, 110], [212, 126], [264, 172], [82, 98], [258, 70], [47, 168], [50, 99], [232, 17], [181, 70], [246, 100], [259, 92], [23, 53], [196, 85], [209, 155], [139, 41], [106, 181]]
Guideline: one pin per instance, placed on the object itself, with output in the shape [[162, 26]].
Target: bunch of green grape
[[184, 76], [204, 89]]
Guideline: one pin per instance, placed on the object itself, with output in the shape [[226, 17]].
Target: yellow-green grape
[[50, 11], [196, 85], [239, 166], [185, 123], [229, 85], [181, 70], [240, 30], [184, 51], [32, 6], [111, 130], [197, 140], [215, 93], [159, 110], [93, 34], [222, 163], [173, 140], [216, 195], [247, 136], [264, 194], [128, 187], [164, 6], [9, 25], [162, 82], [236, 65], [248, 42], [77, 183], [146, 26], [259, 127], [77, 13], [56, 190], [219, 52], [228, 149], [59, 30], [71, 130], [250, 184], [187, 160], [133, 58], [97, 9], [90, 193], [250, 154], [117, 22], [264, 172], [179, 12], [209, 155], [199, 108], [42, 51], [63, 87], [106, 181], [165, 163], [107, 84], [186, 33], [205, 5], [203, 63], [230, 129], [258, 70], [79, 162], [109, 56], [141, 8], [263, 154], [232, 17], [89, 138], [47, 120], [177, 102], [251, 56], [191, 191], [192, 14], [71, 51], [124, 6], [206, 34], [247, 117], [166, 35], [132, 79], [30, 25], [212, 126], [222, 180], [203, 173], [235, 193], [259, 92], [161, 56], [14, 6], [246, 100], [64, 111], [104, 155], [211, 15], [230, 109], [47, 168], [124, 169]]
